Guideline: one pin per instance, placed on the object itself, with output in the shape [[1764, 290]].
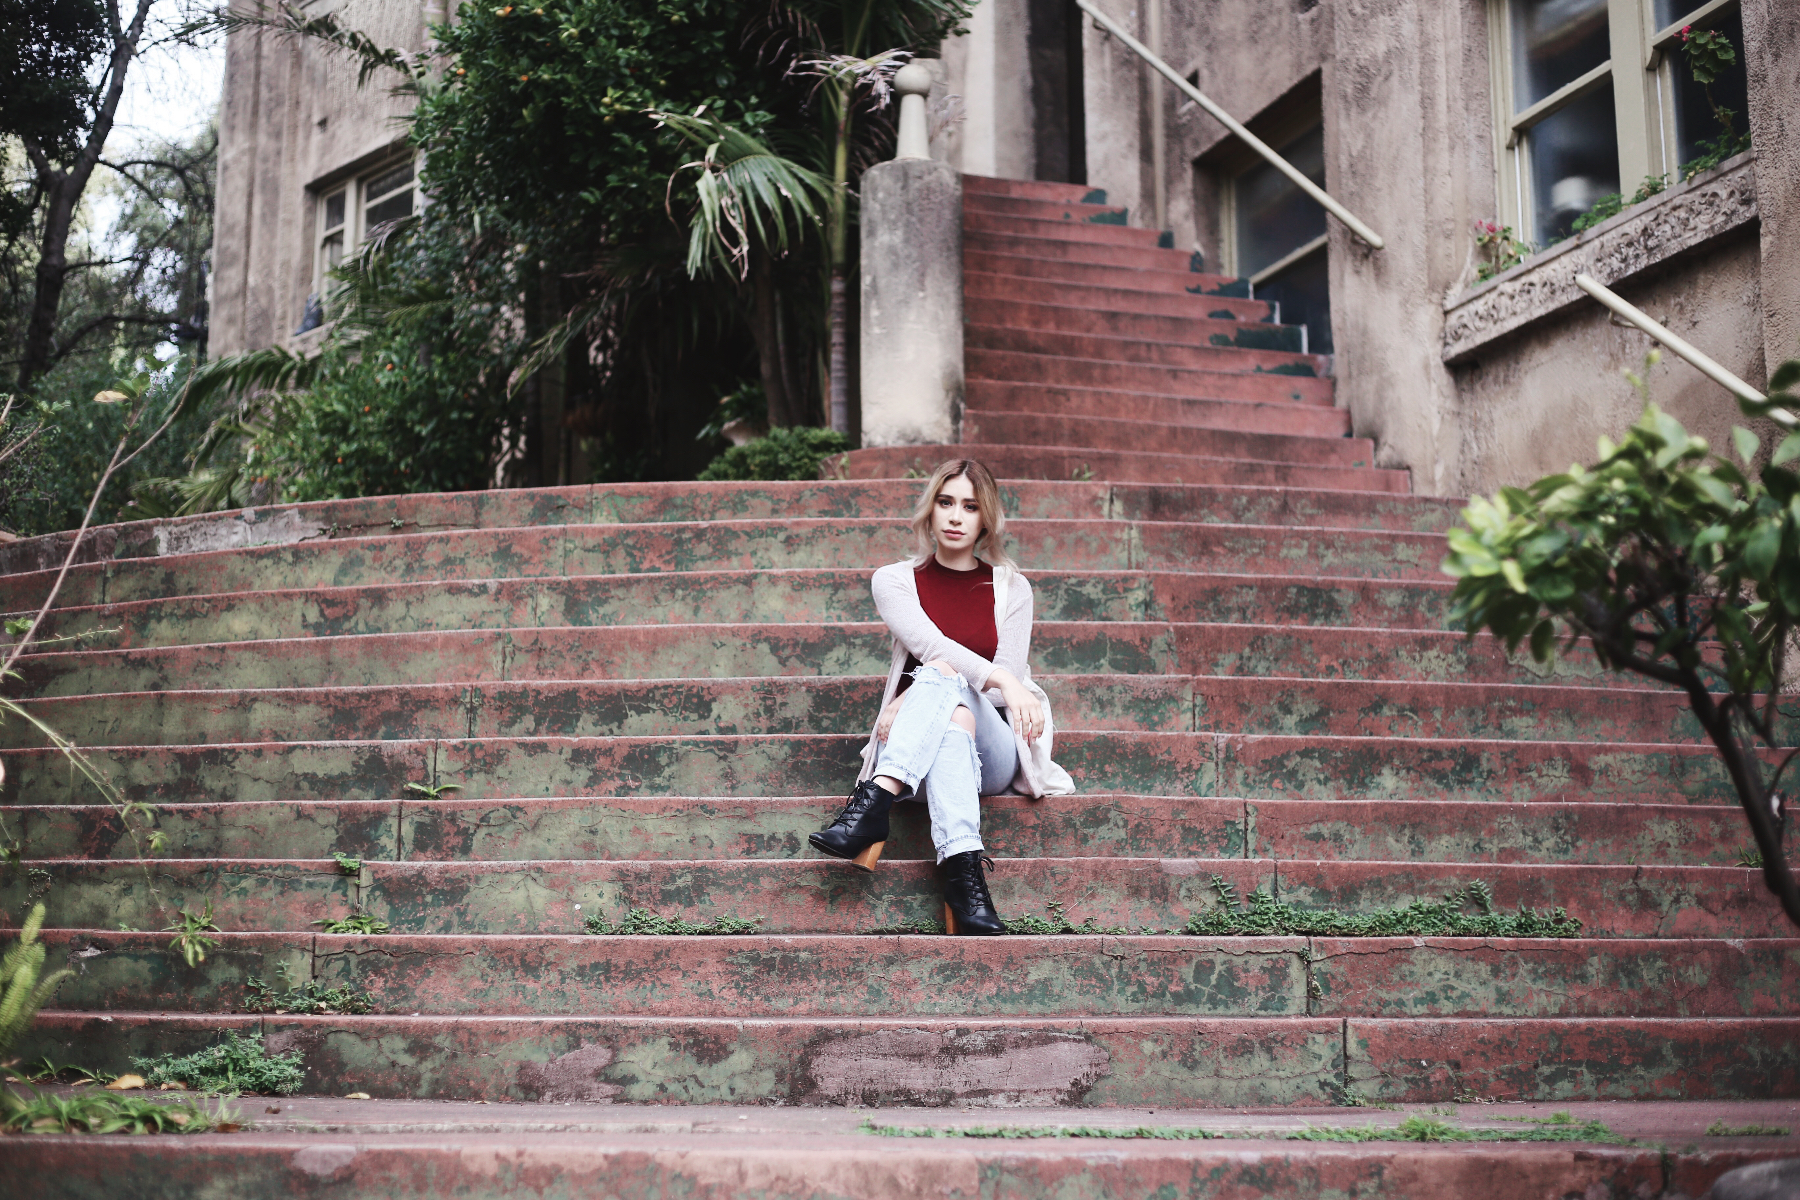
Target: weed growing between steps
[[1560, 1127], [354, 923], [100, 1112], [1262, 915], [307, 999], [1721, 1129], [641, 922], [346, 864], [238, 1064]]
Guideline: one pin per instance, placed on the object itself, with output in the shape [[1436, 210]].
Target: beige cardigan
[[897, 599]]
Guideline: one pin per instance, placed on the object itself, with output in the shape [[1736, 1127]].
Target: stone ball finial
[[914, 79]]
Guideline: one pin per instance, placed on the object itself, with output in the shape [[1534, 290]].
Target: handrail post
[[913, 82], [1224, 118], [1705, 365]]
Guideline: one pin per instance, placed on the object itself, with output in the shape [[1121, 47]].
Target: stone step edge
[[643, 1161], [1443, 585], [322, 509]]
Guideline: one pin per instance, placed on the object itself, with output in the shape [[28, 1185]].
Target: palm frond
[[289, 21], [746, 195]]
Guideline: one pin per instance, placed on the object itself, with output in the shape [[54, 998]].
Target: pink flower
[[1685, 31]]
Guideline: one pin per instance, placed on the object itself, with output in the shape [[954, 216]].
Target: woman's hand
[[1026, 712], [884, 724]]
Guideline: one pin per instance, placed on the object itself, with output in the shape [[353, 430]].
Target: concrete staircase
[[648, 695]]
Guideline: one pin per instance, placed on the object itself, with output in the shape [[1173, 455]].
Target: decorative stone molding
[[1685, 217]]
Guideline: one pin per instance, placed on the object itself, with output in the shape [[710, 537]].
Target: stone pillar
[[912, 304]]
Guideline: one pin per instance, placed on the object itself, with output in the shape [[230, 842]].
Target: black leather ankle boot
[[968, 909], [861, 830]]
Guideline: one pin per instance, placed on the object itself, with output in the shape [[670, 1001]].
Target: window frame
[[1643, 100], [353, 229]]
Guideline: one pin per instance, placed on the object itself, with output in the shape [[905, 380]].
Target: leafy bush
[[788, 452], [238, 1064], [1674, 565]]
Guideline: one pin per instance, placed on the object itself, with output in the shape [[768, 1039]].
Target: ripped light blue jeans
[[937, 759]]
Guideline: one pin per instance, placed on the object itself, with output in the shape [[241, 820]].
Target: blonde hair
[[987, 497]]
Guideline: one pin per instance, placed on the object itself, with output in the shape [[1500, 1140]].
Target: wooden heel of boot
[[949, 919], [868, 858]]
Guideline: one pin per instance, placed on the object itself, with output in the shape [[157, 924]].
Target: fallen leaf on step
[[174, 1085], [227, 1127], [271, 1109], [126, 1083], [357, 1096], [178, 1119]]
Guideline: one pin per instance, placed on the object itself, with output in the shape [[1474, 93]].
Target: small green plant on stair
[[356, 922], [103, 1112], [433, 791], [307, 999], [642, 922], [190, 930], [1262, 915], [346, 864], [24, 988], [240, 1063]]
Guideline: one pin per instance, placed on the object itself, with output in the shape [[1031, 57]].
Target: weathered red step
[[1307, 420], [981, 335], [1166, 294], [1156, 1062], [819, 895], [1022, 366], [1104, 433], [759, 975], [698, 827], [1061, 462]]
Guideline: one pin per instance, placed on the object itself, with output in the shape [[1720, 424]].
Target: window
[[1594, 99], [1277, 236], [1694, 123], [347, 213]]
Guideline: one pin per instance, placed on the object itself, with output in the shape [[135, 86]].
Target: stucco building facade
[[1429, 119]]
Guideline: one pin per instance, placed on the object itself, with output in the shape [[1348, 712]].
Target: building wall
[[1469, 387], [292, 120], [1405, 96]]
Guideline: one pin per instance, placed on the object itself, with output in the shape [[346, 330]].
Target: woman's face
[[955, 515]]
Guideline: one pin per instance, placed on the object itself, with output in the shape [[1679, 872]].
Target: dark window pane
[[1555, 42], [1305, 297], [334, 210], [380, 185], [1574, 162], [391, 209], [1695, 121], [1275, 218]]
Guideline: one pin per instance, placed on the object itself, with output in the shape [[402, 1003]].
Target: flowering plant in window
[[1501, 250]]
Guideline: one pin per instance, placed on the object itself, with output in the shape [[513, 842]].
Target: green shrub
[[237, 1064], [789, 452]]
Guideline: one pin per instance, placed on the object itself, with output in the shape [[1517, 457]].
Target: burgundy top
[[961, 605]]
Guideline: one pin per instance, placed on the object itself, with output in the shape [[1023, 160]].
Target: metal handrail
[[1224, 118], [1706, 366]]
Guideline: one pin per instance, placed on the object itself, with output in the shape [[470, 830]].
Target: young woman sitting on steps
[[962, 632]]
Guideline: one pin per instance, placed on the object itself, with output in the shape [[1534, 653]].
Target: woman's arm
[[898, 603], [1011, 658]]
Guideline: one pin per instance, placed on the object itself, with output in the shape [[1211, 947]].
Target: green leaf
[[1786, 376], [1761, 549], [1510, 569], [1787, 451], [1543, 642], [1747, 443]]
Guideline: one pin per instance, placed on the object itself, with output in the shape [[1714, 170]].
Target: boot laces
[[974, 875]]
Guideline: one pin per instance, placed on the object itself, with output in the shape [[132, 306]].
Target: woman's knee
[[943, 668], [964, 720]]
